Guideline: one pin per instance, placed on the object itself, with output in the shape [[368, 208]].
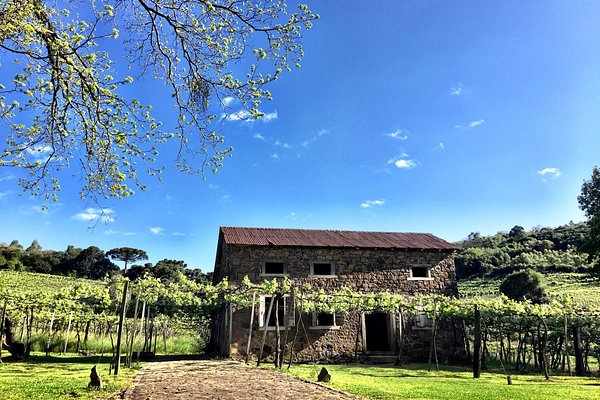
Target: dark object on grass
[[16, 349], [95, 380], [509, 379], [324, 375]]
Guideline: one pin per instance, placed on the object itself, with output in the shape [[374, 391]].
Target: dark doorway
[[377, 332]]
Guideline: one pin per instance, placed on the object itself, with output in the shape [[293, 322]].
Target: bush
[[525, 284]]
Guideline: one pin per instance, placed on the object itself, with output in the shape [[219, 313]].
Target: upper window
[[322, 268], [420, 272], [274, 268]]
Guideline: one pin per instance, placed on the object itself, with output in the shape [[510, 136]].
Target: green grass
[[583, 287], [450, 383], [59, 377]]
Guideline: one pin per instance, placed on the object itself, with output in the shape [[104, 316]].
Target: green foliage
[[525, 284], [127, 255], [589, 202], [66, 83], [542, 249]]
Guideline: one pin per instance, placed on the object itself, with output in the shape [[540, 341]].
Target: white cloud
[[39, 151], [394, 159], [225, 198], [313, 139], [549, 172], [7, 177], [440, 146], [282, 144], [157, 230], [259, 136], [122, 233], [398, 134], [269, 117], [405, 163], [246, 116], [179, 234], [274, 155], [212, 186], [457, 90], [98, 214], [4, 194], [472, 124], [372, 203], [227, 101]]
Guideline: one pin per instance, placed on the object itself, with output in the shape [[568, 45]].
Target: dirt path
[[224, 380]]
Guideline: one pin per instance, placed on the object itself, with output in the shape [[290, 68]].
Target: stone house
[[367, 262]]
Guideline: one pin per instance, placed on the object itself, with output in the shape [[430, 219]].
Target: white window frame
[[419, 278], [333, 269], [324, 327], [263, 311], [263, 268]]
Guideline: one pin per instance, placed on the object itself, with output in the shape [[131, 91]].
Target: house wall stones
[[363, 269]]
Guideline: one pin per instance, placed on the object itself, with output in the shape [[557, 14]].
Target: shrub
[[525, 284]]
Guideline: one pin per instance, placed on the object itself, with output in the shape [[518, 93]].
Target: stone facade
[[366, 270]]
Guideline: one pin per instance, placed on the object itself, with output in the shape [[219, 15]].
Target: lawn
[[58, 377], [451, 383]]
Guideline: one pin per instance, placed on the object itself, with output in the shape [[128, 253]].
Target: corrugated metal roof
[[333, 238]]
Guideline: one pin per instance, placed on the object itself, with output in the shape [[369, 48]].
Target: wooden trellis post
[[68, 332], [250, 330]]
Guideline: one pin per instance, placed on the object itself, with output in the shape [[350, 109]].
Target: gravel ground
[[224, 380]]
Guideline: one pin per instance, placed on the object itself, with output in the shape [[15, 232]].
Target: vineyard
[[62, 314]]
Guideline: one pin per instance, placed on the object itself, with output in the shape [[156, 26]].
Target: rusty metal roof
[[333, 238]]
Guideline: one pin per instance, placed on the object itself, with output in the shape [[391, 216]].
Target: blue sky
[[443, 117]]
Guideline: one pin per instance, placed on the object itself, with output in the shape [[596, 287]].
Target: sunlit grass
[[450, 383], [59, 377]]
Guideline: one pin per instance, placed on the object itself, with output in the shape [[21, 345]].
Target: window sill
[[325, 327], [274, 275], [272, 328], [420, 279]]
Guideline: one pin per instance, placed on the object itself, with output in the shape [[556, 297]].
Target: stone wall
[[364, 270]]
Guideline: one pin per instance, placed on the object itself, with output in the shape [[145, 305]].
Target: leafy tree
[[589, 202], [525, 284], [77, 114], [127, 255], [35, 246], [169, 270]]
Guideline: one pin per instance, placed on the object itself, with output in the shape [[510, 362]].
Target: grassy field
[[64, 377], [451, 383], [584, 288]]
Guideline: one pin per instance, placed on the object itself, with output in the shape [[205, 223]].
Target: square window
[[420, 272], [322, 268], [281, 312], [274, 268], [325, 319]]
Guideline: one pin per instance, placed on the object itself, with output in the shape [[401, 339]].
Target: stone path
[[223, 380]]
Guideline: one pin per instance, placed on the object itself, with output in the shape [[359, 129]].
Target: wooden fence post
[[477, 345], [2, 328], [120, 328], [265, 326], [68, 332], [250, 330]]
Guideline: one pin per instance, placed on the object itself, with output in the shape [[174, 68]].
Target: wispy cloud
[[225, 198], [259, 136], [7, 177], [3, 195], [227, 101], [39, 151], [247, 117], [457, 90], [313, 139], [372, 203], [119, 233], [179, 234], [549, 173], [274, 155], [398, 134], [440, 146], [470, 125], [157, 230], [282, 144], [95, 214]]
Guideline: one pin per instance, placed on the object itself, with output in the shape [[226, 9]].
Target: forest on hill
[[91, 263], [561, 249]]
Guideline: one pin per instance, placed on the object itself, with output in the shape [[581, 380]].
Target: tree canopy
[[127, 255], [589, 202], [66, 104]]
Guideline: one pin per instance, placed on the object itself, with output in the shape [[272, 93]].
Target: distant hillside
[[543, 249]]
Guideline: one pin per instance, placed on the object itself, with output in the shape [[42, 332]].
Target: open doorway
[[378, 332]]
